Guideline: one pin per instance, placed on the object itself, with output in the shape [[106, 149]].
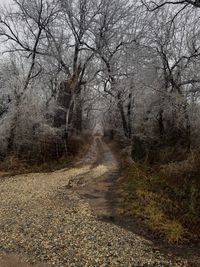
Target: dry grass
[[78, 146], [165, 197], [174, 231], [13, 166]]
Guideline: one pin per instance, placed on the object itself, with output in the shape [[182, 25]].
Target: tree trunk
[[160, 123], [188, 128], [11, 138], [20, 96], [10, 147], [78, 113], [123, 117], [129, 116]]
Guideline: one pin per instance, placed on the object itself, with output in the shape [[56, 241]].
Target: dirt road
[[56, 219]]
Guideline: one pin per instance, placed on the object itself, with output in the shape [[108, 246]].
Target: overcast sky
[[5, 2]]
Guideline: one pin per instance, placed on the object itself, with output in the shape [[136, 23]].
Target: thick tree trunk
[[161, 123], [78, 114]]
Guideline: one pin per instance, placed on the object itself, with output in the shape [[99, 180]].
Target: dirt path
[[95, 191], [55, 219]]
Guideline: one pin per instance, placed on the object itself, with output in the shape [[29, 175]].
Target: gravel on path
[[44, 219]]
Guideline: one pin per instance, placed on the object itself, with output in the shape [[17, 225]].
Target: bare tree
[[152, 5], [116, 28], [23, 30]]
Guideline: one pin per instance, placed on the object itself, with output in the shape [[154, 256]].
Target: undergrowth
[[77, 147], [166, 196], [14, 166]]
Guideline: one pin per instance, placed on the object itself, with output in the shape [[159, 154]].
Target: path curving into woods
[[59, 219]]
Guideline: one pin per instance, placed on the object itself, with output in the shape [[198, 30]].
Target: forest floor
[[68, 218]]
